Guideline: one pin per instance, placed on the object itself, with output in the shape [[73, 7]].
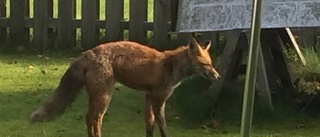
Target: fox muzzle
[[211, 75]]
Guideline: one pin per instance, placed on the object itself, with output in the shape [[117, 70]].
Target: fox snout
[[211, 74], [216, 74]]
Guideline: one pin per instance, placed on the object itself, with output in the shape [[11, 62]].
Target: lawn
[[27, 80]]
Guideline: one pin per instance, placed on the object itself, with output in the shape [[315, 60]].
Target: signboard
[[217, 15]]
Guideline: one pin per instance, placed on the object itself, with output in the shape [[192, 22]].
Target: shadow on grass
[[195, 110], [189, 102], [17, 105]]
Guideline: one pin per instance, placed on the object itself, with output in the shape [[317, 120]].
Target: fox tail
[[69, 87]]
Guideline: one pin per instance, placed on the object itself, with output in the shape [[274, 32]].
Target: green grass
[[23, 87]]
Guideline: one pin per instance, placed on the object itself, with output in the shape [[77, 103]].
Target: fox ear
[[206, 44], [193, 45]]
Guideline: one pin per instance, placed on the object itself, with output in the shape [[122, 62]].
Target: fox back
[[143, 68]]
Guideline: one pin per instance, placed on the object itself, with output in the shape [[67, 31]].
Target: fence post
[[113, 20], [64, 38], [51, 32], [160, 24], [3, 30], [138, 14], [74, 29], [174, 14], [17, 22], [41, 24], [27, 29], [97, 30], [88, 23]]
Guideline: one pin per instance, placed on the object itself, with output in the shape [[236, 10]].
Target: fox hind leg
[[149, 116], [99, 98]]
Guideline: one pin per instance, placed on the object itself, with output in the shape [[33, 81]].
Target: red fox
[[98, 70]]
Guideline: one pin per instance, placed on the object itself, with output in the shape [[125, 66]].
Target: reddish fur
[[100, 68]]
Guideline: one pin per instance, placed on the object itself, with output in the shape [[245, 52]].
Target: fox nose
[[217, 76]]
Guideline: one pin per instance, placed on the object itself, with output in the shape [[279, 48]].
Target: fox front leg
[[158, 106]]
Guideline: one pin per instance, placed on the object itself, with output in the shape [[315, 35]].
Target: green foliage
[[298, 70], [295, 65], [313, 60]]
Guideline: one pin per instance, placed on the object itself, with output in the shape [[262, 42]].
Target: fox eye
[[206, 64]]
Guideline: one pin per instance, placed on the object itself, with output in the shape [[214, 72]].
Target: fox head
[[201, 60]]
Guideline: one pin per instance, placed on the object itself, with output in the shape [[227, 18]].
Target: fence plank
[[174, 14], [88, 24], [3, 31], [17, 23], [50, 8], [160, 30], [74, 8], [41, 24], [51, 34], [97, 18], [138, 14], [114, 18], [64, 38], [74, 29], [27, 15], [3, 8]]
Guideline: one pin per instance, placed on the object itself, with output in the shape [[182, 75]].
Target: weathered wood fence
[[43, 30]]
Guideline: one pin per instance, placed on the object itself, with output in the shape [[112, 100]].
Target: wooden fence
[[43, 30]]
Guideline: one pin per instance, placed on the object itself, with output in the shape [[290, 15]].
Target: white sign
[[215, 15]]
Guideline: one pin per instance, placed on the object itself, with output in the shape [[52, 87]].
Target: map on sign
[[215, 15]]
